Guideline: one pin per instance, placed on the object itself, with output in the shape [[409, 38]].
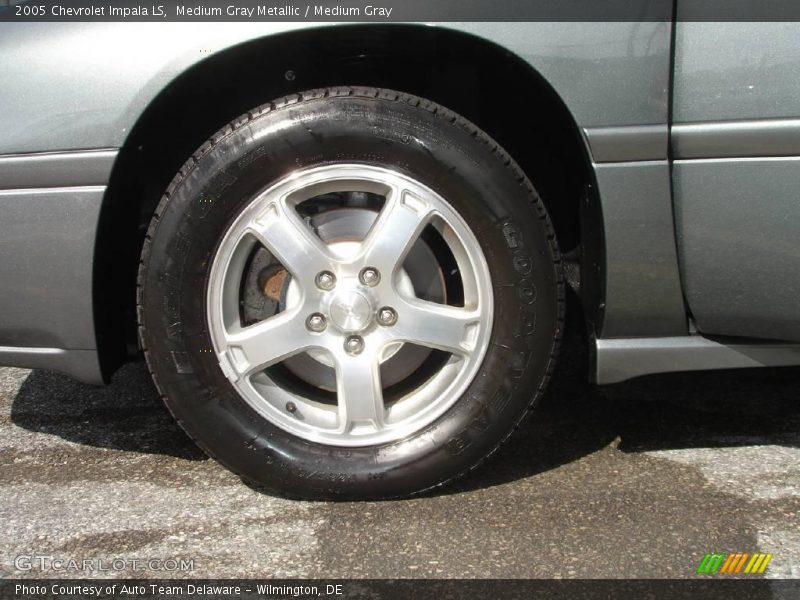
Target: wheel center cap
[[350, 311]]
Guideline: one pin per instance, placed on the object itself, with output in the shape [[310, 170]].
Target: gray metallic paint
[[618, 360], [737, 223], [735, 71], [730, 139], [82, 365], [56, 169], [643, 288], [47, 245], [628, 144], [737, 108], [613, 78], [735, 112], [83, 86], [47, 249]]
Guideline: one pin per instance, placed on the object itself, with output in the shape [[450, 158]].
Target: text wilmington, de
[[289, 10]]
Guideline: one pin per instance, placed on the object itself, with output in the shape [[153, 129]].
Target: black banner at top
[[394, 11]]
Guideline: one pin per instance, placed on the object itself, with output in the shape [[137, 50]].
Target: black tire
[[414, 136]]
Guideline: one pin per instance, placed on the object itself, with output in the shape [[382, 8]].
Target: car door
[[736, 174]]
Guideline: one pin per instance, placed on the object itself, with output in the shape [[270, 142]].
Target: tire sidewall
[[438, 150]]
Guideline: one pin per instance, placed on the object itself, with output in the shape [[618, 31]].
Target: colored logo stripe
[[724, 563], [758, 564]]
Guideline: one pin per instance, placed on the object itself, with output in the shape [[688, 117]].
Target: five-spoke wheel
[[353, 297]]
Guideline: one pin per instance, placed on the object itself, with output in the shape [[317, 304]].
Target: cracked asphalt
[[636, 480]]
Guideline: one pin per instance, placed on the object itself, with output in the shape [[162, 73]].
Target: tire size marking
[[523, 265]]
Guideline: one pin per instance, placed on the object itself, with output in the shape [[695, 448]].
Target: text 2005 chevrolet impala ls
[[342, 249]]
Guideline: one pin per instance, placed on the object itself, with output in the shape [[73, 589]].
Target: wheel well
[[477, 79]]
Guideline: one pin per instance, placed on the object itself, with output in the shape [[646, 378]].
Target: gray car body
[[693, 143]]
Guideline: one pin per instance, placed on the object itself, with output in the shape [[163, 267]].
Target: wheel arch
[[494, 88]]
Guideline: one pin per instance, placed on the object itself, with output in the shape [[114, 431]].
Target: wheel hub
[[350, 310]]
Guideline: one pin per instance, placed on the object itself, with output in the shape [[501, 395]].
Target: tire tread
[[439, 111]]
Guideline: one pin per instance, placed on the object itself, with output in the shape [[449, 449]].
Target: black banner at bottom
[[438, 589]]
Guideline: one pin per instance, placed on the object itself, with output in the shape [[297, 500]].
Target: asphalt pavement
[[640, 479]]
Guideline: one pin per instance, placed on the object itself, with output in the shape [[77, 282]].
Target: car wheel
[[350, 293]]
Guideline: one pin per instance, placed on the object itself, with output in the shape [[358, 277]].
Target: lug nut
[[325, 280], [316, 322], [369, 276], [387, 316], [354, 344]]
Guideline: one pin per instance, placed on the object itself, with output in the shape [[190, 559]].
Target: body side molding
[[56, 169], [735, 139], [620, 359], [83, 365], [627, 143]]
